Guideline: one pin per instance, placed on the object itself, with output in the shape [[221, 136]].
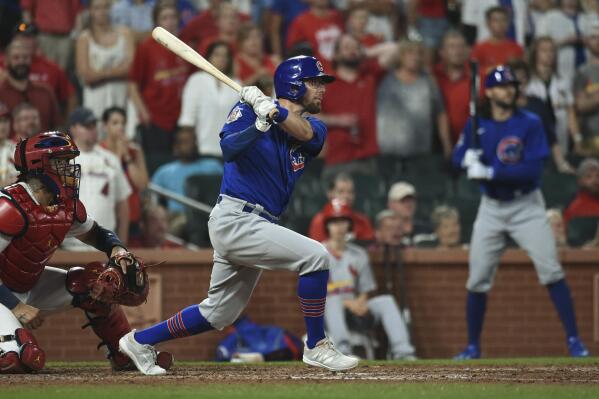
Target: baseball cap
[[401, 190], [24, 28], [82, 116], [4, 111]]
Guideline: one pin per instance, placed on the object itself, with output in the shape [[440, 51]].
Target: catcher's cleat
[[325, 355], [144, 356]]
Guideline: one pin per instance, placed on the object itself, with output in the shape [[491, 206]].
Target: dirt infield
[[391, 373]]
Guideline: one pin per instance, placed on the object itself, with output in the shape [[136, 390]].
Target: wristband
[[7, 298], [282, 115], [106, 240]]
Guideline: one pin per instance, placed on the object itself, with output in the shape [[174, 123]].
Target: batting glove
[[251, 95], [471, 156], [478, 171]]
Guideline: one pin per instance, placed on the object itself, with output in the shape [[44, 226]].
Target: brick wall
[[520, 319]]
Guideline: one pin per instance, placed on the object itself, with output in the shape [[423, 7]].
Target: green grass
[[310, 391]]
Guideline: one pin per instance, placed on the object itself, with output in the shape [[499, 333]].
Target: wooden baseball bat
[[177, 46], [473, 104]]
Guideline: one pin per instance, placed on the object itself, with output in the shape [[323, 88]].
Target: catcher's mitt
[[113, 286]]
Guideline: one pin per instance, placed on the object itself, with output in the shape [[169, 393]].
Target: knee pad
[[30, 357]]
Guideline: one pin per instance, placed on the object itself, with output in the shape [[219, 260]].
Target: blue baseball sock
[[187, 322], [312, 292], [476, 304], [560, 295]]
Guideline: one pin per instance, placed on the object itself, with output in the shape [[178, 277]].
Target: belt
[[248, 207]]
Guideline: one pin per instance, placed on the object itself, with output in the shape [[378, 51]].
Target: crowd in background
[[140, 114]]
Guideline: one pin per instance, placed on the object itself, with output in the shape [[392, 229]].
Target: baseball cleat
[[577, 348], [325, 355], [471, 352], [143, 356]]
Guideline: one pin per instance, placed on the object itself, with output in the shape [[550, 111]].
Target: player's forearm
[[523, 172], [297, 127], [122, 214], [102, 239]]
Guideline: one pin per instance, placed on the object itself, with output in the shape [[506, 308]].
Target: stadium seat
[[558, 189], [202, 188], [581, 230]]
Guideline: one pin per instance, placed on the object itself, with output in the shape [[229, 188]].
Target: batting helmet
[[291, 74], [500, 76], [48, 156]]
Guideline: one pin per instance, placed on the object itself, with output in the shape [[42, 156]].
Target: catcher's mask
[[50, 157]]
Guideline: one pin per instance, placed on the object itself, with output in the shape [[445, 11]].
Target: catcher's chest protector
[[23, 261]]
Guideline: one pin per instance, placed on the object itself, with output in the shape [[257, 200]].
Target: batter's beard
[[506, 105], [313, 108]]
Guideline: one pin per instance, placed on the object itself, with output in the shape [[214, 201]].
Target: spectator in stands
[[446, 225], [453, 77], [586, 94], [543, 110], [56, 21], [251, 62], [349, 110], [132, 160], [341, 189], [134, 14], [499, 49], [350, 292], [389, 229], [206, 101], [537, 9], [357, 22], [556, 91], [17, 87], [8, 173], [104, 187], [157, 77], [227, 22], [586, 202], [410, 108], [103, 56], [172, 176], [402, 200], [283, 14], [428, 20], [556, 221], [45, 71], [26, 121], [475, 25], [153, 230], [320, 26], [566, 25]]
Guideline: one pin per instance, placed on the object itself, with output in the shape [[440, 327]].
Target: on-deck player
[[262, 164], [509, 165]]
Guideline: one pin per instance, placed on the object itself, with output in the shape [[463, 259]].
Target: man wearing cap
[[17, 87], [8, 173], [45, 71], [402, 200], [104, 187], [586, 91]]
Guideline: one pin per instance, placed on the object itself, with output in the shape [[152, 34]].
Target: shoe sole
[[318, 364], [125, 350]]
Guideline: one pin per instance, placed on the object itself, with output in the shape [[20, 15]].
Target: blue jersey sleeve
[[315, 144], [239, 132], [462, 145], [240, 118]]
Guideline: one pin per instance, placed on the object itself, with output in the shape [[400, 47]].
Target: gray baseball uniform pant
[[245, 244], [384, 309], [525, 221]]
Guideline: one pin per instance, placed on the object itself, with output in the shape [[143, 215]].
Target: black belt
[[251, 208]]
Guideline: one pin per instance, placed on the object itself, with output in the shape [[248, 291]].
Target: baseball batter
[[36, 214], [509, 165], [263, 160], [351, 288]]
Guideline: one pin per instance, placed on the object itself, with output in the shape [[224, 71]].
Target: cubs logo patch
[[298, 159], [234, 115], [319, 66], [509, 150]]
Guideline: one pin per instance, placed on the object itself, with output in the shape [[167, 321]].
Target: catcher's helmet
[[49, 157], [500, 76], [291, 74]]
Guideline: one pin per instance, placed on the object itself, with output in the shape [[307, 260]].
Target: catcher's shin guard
[[29, 359]]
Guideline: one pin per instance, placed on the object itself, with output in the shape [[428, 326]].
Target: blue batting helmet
[[291, 73], [500, 76]]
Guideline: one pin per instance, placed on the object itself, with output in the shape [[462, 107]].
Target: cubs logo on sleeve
[[297, 157], [509, 150]]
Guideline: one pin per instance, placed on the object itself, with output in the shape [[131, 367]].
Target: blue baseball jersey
[[265, 173], [515, 149]]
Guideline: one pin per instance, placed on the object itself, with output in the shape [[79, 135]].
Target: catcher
[[36, 214]]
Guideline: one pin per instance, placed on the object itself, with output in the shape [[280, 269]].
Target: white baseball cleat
[[143, 356], [325, 355]]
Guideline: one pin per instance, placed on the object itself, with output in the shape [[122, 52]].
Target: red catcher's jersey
[[43, 228]]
